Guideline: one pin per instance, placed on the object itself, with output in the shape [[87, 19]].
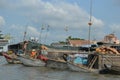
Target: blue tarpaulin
[[80, 60]]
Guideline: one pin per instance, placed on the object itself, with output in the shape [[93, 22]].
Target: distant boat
[[11, 60], [3, 41], [17, 49]]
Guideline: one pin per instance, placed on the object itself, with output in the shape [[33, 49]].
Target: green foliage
[[70, 38], [62, 42]]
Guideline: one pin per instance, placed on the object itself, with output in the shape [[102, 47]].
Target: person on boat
[[42, 57], [44, 50], [33, 53], [25, 45], [65, 57], [20, 52], [11, 53], [68, 57], [43, 53]]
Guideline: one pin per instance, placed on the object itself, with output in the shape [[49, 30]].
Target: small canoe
[[27, 61], [10, 59]]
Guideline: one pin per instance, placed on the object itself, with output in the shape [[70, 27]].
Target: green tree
[[70, 38]]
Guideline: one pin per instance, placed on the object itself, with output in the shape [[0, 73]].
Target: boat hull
[[31, 62], [114, 69], [77, 68], [56, 64], [81, 68], [11, 60]]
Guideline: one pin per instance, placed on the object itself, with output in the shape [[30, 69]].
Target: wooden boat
[[113, 69], [81, 68], [79, 63], [11, 60], [98, 63], [56, 64], [27, 61], [77, 67]]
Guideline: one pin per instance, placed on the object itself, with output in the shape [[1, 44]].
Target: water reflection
[[20, 72]]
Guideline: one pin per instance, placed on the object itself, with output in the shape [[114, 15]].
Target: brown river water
[[20, 72]]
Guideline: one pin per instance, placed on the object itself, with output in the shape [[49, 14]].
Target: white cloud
[[57, 15], [17, 31], [2, 21], [115, 29], [32, 31], [97, 22]]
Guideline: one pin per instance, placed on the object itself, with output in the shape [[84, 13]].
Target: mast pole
[[90, 24], [40, 35], [24, 38]]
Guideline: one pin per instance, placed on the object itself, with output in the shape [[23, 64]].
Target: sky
[[55, 20]]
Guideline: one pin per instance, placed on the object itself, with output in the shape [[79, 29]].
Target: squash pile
[[106, 50]]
